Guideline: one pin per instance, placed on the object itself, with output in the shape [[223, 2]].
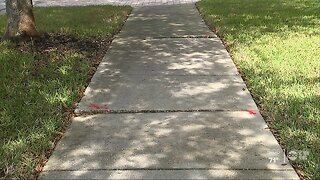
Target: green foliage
[[276, 45]]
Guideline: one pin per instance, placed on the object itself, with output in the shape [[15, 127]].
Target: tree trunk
[[20, 19]]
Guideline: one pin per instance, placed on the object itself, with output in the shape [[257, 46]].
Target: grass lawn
[[276, 45], [41, 80]]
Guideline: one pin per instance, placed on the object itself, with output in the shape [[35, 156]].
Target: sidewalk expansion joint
[[123, 111], [194, 75], [182, 37], [173, 169]]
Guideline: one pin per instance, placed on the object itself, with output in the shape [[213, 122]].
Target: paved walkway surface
[[178, 109], [2, 7]]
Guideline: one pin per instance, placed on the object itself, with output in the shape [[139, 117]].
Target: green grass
[[37, 91], [94, 21], [276, 45]]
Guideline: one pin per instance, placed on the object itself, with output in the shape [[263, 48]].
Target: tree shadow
[[291, 107], [196, 145], [183, 21], [41, 80], [180, 74], [141, 74]]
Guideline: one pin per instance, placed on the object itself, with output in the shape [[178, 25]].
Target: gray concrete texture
[[217, 141], [138, 92], [2, 6], [154, 66], [163, 57], [145, 22], [170, 174], [172, 74]]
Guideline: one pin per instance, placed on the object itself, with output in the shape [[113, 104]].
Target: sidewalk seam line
[[172, 169], [122, 111], [208, 75]]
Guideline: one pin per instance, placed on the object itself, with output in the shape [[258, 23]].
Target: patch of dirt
[[62, 43]]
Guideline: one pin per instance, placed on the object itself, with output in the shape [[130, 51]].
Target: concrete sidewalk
[[2, 7], [168, 103]]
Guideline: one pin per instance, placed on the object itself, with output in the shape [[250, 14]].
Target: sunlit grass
[[276, 44], [90, 21], [36, 92]]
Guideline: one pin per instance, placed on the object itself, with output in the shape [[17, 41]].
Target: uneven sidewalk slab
[[165, 21], [139, 92], [222, 143]]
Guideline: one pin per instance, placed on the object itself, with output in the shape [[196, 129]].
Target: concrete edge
[[170, 174]]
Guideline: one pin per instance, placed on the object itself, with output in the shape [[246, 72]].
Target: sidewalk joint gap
[[122, 111], [207, 75], [182, 37], [173, 169]]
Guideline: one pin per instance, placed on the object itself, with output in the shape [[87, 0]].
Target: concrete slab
[[144, 71], [139, 92], [141, 63], [176, 45], [165, 21], [168, 57], [225, 142], [170, 174], [2, 7]]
